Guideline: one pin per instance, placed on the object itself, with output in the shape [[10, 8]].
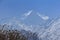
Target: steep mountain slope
[[53, 32]]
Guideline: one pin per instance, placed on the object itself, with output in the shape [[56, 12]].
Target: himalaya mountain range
[[45, 28]]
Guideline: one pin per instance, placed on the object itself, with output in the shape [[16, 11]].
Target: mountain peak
[[34, 18]]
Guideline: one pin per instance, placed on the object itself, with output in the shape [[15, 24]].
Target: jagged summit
[[34, 18], [29, 18]]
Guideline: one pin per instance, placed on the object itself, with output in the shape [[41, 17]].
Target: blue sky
[[16, 8]]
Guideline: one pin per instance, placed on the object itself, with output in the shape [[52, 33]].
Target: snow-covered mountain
[[50, 33], [45, 28], [34, 18], [53, 32]]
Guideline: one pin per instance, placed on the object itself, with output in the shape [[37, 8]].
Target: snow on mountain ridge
[[53, 32], [50, 33]]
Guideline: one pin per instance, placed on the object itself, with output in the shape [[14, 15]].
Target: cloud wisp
[[38, 14], [43, 16], [26, 15]]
